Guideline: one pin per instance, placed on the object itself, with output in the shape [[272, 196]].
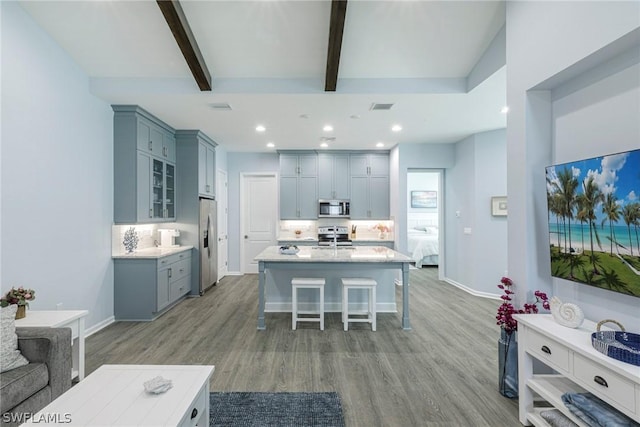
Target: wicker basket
[[620, 345]]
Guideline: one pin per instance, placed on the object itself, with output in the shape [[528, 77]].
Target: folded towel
[[594, 412], [555, 418]]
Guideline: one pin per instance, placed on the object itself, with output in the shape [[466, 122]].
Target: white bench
[[306, 283], [359, 283]]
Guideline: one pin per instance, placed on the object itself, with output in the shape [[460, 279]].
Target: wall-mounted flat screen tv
[[594, 221]]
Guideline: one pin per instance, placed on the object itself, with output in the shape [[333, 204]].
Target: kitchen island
[[275, 271]]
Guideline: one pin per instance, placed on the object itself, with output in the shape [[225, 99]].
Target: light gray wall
[[57, 174], [460, 213], [238, 163], [545, 38], [478, 260]]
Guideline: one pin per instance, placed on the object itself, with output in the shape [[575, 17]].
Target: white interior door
[[223, 239], [259, 217]]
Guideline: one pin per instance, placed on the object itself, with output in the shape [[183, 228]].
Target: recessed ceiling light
[[355, 116], [260, 128], [324, 145], [505, 109], [270, 144], [380, 144], [396, 128], [327, 128], [304, 116]]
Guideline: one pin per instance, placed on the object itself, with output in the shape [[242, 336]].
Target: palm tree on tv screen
[[611, 210], [629, 215], [592, 197]]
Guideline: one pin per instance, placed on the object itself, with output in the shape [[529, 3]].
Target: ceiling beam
[[336, 27], [177, 21]]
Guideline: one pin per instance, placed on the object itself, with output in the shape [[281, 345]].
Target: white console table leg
[[525, 371]]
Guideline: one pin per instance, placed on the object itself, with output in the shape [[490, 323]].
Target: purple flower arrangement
[[506, 310]]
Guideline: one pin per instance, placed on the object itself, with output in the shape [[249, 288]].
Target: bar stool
[[306, 283], [359, 283]]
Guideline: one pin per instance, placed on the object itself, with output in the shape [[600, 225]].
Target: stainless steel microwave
[[333, 208]]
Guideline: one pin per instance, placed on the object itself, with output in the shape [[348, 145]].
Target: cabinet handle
[[194, 413], [599, 380], [181, 270], [181, 256], [150, 213], [170, 272], [207, 188], [545, 349], [150, 145], [163, 261]]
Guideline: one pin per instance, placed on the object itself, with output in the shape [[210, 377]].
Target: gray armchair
[[28, 389]]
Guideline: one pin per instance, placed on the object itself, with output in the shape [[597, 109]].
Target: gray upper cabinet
[[369, 182], [333, 176], [299, 186], [206, 169], [197, 157], [144, 167]]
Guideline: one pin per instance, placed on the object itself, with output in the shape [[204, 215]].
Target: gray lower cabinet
[[144, 288]]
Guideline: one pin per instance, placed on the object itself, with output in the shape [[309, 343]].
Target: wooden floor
[[441, 373]]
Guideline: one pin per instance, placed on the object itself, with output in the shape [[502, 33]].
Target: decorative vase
[[22, 311], [382, 235], [508, 364]]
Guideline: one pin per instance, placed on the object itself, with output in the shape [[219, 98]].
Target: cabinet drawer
[[196, 410], [548, 350], [604, 382], [179, 288], [165, 261], [180, 269]]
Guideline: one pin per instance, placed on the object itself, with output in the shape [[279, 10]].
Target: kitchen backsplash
[[147, 235], [365, 230]]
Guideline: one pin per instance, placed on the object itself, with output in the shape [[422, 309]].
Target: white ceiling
[[268, 60]]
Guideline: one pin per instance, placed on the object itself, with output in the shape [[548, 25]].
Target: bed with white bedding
[[422, 243]]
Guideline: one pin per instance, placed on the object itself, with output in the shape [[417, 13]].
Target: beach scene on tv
[[594, 221]]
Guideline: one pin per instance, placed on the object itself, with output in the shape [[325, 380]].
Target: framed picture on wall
[[499, 206], [424, 199]]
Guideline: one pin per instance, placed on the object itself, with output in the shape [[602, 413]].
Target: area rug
[[246, 409]]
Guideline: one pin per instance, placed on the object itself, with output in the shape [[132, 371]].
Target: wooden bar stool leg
[[345, 308], [322, 308]]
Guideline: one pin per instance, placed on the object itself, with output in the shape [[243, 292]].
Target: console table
[[579, 368], [73, 319]]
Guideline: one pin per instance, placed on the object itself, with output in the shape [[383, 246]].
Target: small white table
[[73, 319], [114, 395]]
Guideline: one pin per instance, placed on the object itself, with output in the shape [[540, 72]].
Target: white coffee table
[[73, 319], [114, 395]]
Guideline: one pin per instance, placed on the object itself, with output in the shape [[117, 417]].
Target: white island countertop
[[329, 254], [152, 253]]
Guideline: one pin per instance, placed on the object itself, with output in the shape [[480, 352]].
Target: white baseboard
[[472, 291], [333, 307], [99, 326], [234, 273]]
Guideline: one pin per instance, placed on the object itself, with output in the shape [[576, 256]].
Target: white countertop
[[153, 253], [328, 254], [312, 239]]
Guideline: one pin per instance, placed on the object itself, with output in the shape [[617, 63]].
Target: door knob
[[246, 237]]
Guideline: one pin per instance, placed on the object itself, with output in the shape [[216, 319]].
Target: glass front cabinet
[[144, 167]]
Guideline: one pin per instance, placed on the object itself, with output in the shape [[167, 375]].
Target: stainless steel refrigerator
[[208, 244]]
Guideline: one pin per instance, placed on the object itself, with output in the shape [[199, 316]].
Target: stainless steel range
[[333, 235]]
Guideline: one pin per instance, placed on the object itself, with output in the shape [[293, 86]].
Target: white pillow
[[10, 356]]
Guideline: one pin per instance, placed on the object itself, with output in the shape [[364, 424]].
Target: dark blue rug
[[228, 409]]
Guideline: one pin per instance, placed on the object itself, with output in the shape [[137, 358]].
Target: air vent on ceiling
[[220, 106], [327, 138], [375, 106]]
